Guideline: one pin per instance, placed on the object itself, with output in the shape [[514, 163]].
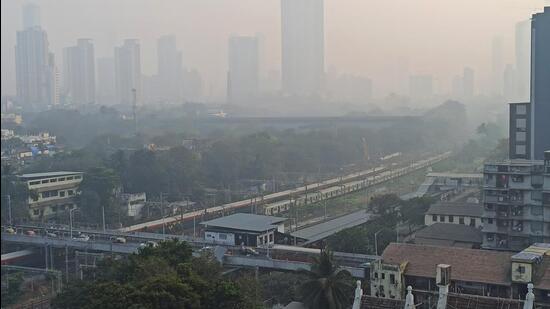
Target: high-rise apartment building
[[540, 84], [128, 71], [79, 73], [36, 74], [303, 46], [243, 68], [170, 69], [517, 192]]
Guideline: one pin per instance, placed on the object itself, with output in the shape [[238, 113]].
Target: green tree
[[98, 190], [327, 287]]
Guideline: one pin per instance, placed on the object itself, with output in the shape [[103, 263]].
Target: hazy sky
[[383, 39]]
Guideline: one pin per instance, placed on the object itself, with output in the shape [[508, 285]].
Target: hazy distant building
[[353, 88], [106, 80], [192, 85], [497, 66], [31, 16], [170, 69], [421, 86], [523, 60], [540, 84], [303, 46], [36, 74], [128, 71], [79, 72], [509, 83], [243, 68], [468, 79]]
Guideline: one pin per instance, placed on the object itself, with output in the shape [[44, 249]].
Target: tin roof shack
[[244, 229]]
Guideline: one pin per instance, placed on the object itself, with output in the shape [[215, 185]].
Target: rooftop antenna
[[134, 102]]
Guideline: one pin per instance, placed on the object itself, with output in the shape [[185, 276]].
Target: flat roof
[[533, 252], [246, 222], [456, 209], [451, 231], [47, 174], [471, 265], [325, 229]]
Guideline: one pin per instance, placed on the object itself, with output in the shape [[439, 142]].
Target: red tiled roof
[[471, 265]]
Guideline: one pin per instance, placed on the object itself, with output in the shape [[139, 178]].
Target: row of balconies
[[516, 227]]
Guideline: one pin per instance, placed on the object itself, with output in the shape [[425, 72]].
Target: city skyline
[[382, 62]]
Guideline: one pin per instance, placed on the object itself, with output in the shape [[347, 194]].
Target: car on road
[[249, 251], [30, 233], [119, 240], [10, 230], [148, 243], [51, 234], [82, 237]]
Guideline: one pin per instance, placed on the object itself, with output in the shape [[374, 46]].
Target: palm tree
[[327, 287]]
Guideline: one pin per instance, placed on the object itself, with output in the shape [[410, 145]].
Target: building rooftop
[[471, 265], [246, 222], [47, 175], [456, 175], [533, 253], [456, 209], [325, 229], [451, 232]]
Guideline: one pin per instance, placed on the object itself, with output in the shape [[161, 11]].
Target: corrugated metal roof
[[456, 209], [48, 174], [246, 222], [325, 229]]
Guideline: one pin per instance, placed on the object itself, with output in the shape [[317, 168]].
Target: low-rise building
[[244, 229], [486, 273], [51, 193], [454, 213], [133, 203], [516, 202], [448, 234]]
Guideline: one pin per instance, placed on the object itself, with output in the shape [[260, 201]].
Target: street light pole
[[9, 209], [103, 216], [162, 215], [71, 221], [376, 241]]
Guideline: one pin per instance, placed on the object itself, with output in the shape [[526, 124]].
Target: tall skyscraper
[[128, 71], [79, 72], [106, 81], [540, 84], [497, 66], [468, 79], [523, 59], [243, 68], [36, 74], [31, 16], [170, 69], [303, 46], [509, 83]]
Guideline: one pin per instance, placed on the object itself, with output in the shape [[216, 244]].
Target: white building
[[133, 203], [455, 213], [51, 193], [170, 69]]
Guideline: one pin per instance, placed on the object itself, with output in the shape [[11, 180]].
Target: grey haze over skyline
[[384, 40]]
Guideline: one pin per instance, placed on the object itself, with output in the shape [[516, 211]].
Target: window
[[70, 178], [383, 276], [536, 195], [521, 269], [490, 237], [36, 212], [521, 109], [520, 149], [461, 220], [392, 278], [53, 180], [490, 220], [442, 218], [77, 177], [375, 275], [521, 123], [451, 219], [32, 183], [536, 210], [45, 181], [70, 192], [61, 179], [536, 226], [222, 236], [472, 222], [434, 218], [61, 193], [520, 136], [270, 237]]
